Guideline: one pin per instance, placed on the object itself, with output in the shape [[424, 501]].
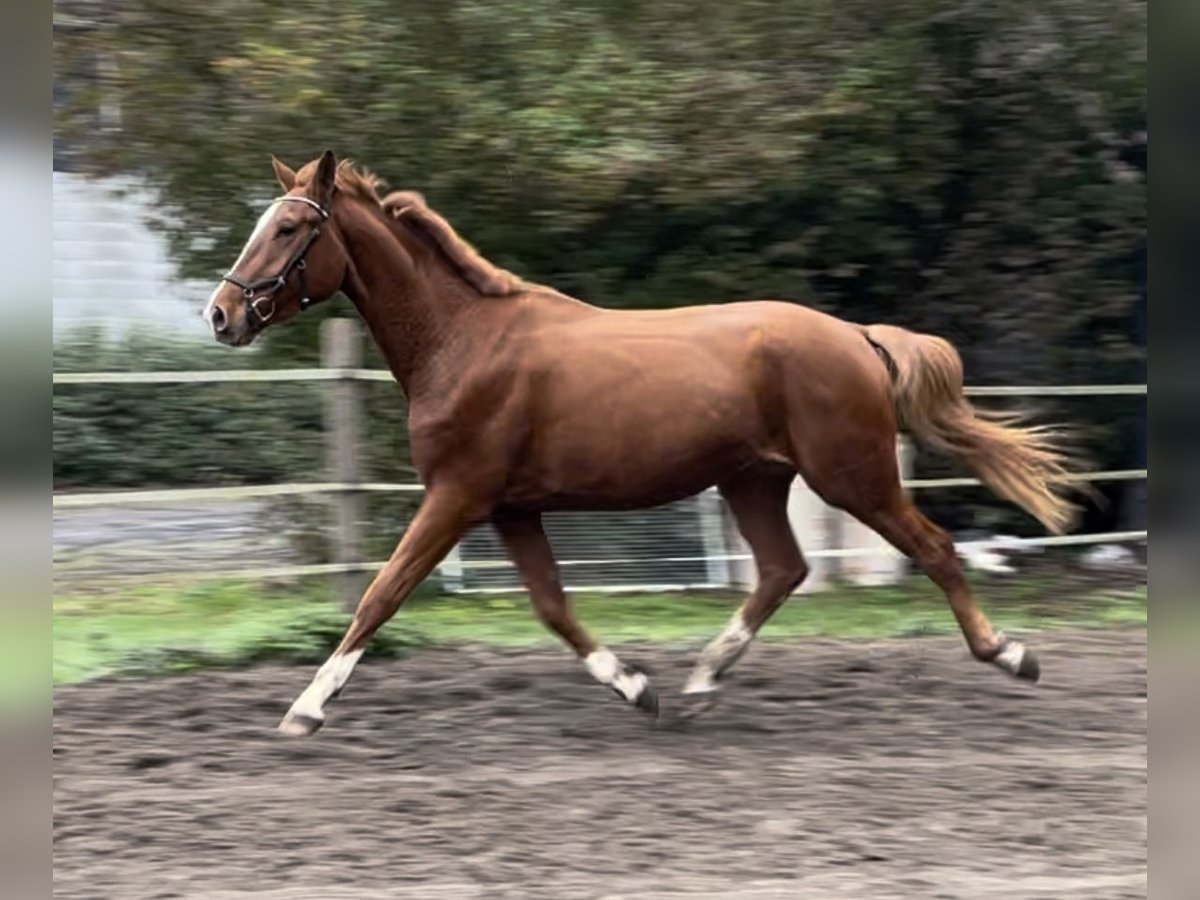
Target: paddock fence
[[690, 544]]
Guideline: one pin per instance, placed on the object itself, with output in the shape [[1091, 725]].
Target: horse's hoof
[[1030, 669], [647, 701], [1018, 661], [697, 703], [299, 725]]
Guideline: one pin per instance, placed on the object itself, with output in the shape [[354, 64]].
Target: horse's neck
[[410, 311]]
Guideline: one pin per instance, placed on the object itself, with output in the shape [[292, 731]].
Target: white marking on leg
[[719, 655], [607, 669], [259, 227], [1010, 657], [330, 679]]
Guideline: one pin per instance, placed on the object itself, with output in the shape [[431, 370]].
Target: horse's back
[[745, 355], [782, 344]]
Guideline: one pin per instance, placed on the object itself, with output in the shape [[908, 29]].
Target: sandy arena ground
[[831, 770]]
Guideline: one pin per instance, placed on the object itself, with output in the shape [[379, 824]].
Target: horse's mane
[[358, 183], [488, 279]]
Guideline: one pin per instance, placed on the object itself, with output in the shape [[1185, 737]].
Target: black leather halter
[[261, 308]]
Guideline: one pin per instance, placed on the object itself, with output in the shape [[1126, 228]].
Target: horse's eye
[[285, 230]]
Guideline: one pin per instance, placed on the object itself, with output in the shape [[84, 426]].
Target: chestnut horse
[[523, 400]]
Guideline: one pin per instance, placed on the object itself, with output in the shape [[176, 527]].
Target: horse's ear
[[323, 182], [286, 176]]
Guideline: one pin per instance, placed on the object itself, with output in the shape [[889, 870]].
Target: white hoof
[[297, 724]]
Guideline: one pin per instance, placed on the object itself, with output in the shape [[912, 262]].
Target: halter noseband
[[267, 288]]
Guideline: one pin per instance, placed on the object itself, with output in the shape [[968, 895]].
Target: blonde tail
[[1022, 463]]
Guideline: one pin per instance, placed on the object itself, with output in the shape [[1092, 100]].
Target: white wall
[[110, 269]]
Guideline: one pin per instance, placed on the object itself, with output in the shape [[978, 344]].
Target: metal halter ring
[[256, 307]]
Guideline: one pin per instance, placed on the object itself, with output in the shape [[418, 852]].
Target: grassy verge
[[155, 631]]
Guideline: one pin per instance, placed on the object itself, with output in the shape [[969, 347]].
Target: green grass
[[157, 631]]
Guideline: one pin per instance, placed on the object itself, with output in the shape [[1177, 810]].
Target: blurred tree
[[958, 166]]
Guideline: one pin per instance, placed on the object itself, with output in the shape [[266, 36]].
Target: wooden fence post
[[341, 348]]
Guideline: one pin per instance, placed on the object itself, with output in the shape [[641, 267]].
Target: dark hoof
[[647, 701], [697, 703], [1018, 660], [1030, 669], [299, 725]]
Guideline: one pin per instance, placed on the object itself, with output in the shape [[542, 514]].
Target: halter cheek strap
[[259, 295]]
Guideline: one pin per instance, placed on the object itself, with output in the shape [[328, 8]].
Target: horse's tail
[[1023, 463]]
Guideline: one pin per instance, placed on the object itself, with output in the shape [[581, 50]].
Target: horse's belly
[[628, 461]]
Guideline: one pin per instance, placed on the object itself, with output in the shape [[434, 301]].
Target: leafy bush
[[143, 436]]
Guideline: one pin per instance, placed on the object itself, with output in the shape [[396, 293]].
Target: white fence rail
[[302, 488], [687, 544], [201, 376]]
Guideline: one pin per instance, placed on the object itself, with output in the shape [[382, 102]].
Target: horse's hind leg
[[530, 552], [902, 524], [758, 501]]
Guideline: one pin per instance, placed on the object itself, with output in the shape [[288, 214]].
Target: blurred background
[[972, 169]]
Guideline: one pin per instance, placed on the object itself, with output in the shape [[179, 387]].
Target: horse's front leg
[[437, 527], [530, 552]]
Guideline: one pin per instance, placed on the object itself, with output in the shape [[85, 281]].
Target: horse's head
[[293, 258]]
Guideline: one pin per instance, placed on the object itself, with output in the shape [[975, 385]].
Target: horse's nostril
[[219, 322]]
